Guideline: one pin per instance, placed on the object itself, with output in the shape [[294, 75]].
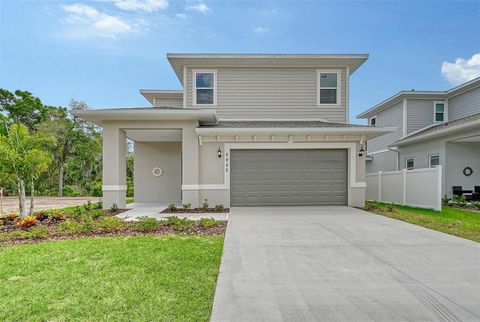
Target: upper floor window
[[205, 87], [433, 160], [409, 164], [328, 87], [439, 111], [373, 121]]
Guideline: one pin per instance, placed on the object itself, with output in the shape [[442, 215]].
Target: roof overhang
[[449, 130], [101, 116], [178, 61], [151, 94], [441, 95], [367, 132]]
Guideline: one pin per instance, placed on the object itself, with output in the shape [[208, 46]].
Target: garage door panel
[[288, 177]]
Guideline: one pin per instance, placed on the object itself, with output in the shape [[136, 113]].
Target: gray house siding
[[391, 117], [170, 102], [384, 161], [266, 93], [465, 104], [419, 114]]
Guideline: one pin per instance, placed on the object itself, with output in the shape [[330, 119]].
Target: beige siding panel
[[170, 102], [391, 117], [463, 105], [279, 93], [419, 114]]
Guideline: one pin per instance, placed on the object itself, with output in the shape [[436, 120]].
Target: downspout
[[397, 159]]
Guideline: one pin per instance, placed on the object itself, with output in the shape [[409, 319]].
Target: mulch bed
[[194, 211], [128, 230]]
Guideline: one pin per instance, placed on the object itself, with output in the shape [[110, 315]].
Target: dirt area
[[10, 204]]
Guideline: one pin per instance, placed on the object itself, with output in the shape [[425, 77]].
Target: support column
[[114, 167], [190, 160]]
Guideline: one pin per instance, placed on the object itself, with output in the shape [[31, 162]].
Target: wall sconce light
[[361, 152], [219, 152]]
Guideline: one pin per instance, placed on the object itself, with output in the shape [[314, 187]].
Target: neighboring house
[[246, 130], [433, 128]]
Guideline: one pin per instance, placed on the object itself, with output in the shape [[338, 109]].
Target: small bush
[[114, 208], [28, 221], [70, 191], [110, 223], [180, 224], [147, 224], [446, 200], [41, 215], [38, 232], [98, 205], [204, 205], [476, 205], [219, 208], [9, 218], [97, 190], [460, 201], [371, 205], [391, 207], [187, 206], [74, 227], [58, 216], [88, 205], [208, 222], [172, 207]]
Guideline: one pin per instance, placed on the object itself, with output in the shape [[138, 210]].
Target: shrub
[[74, 227], [38, 232], [98, 205], [446, 200], [110, 223], [204, 205], [70, 191], [114, 208], [187, 206], [476, 204], [41, 215], [208, 222], [460, 201], [391, 207], [371, 205], [9, 218], [88, 205], [180, 224], [97, 190], [147, 224], [219, 208], [28, 221], [58, 216], [172, 207]]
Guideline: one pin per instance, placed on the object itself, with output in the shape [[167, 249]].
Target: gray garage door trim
[[288, 177]]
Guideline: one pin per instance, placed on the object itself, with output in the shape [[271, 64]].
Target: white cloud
[[200, 7], [462, 70], [181, 16], [89, 21], [260, 30], [142, 5]]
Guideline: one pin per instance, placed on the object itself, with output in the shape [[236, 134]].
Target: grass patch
[[143, 278], [454, 221]]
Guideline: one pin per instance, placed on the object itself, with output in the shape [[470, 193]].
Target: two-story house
[[245, 130], [432, 128]]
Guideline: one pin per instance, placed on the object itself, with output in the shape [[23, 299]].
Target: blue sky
[[104, 51]]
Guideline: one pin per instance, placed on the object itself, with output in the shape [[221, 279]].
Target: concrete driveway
[[343, 264]]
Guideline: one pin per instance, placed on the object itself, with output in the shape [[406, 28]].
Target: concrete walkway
[[152, 210], [343, 264]]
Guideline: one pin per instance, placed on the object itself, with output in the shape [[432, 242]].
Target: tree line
[[45, 150]]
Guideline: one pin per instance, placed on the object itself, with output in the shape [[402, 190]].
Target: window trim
[[445, 109], [194, 87], [406, 163], [338, 88], [430, 160], [370, 121]]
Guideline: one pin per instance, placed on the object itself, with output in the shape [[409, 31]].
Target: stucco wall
[[384, 161], [168, 157], [458, 156]]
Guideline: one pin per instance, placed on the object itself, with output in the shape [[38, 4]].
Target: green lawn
[[147, 278], [454, 221]]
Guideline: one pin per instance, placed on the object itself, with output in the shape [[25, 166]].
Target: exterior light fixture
[[361, 152], [219, 152]]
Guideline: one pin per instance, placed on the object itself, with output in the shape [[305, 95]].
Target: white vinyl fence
[[417, 188]]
